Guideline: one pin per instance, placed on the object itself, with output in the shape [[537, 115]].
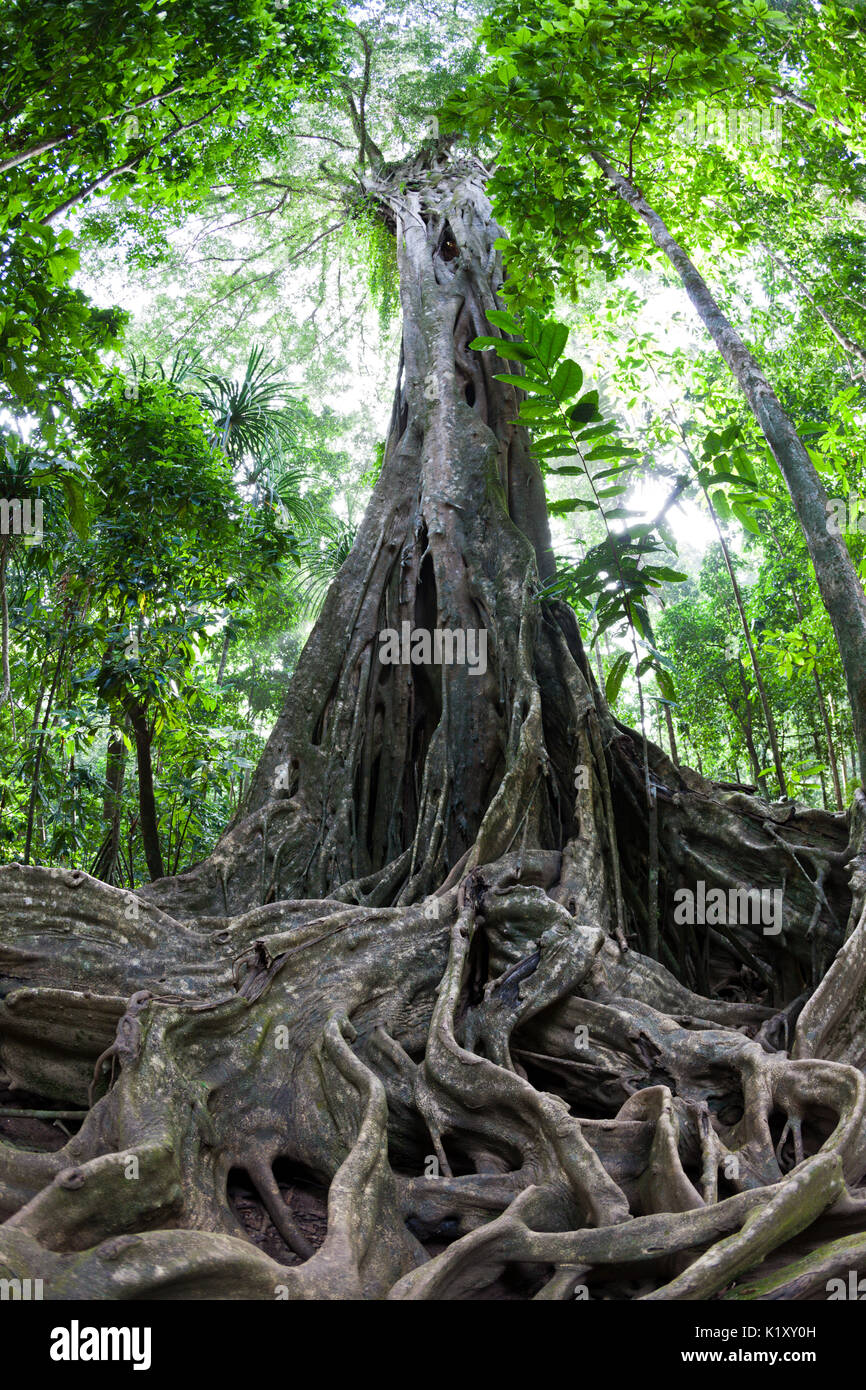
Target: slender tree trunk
[[105, 864], [599, 665], [744, 624], [819, 691], [4, 622], [838, 582], [848, 344], [747, 727], [816, 744], [671, 735], [753, 655], [224, 654], [142, 734], [830, 744], [40, 748]]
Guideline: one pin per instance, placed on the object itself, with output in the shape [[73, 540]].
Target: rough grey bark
[[409, 976], [105, 863]]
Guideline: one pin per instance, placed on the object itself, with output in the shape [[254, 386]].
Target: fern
[[615, 579]]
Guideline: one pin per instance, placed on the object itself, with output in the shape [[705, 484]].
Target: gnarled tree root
[[397, 1054]]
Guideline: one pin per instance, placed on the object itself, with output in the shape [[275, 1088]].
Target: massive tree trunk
[[396, 1038]]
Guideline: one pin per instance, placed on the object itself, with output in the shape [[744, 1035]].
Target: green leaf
[[567, 380], [613, 615], [571, 504], [76, 505], [666, 685], [586, 408], [523, 383], [551, 344], [671, 576], [611, 451], [720, 502], [538, 413], [744, 516], [555, 446], [615, 677], [511, 352], [501, 318], [609, 472]]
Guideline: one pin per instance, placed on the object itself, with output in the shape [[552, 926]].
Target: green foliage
[[615, 579], [51, 337], [157, 561], [323, 553], [252, 415], [172, 540], [151, 104], [565, 82], [379, 254]]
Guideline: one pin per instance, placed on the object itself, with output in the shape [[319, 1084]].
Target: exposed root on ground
[[493, 1094]]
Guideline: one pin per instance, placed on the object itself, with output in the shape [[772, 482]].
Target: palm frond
[[183, 365], [252, 415], [322, 557]]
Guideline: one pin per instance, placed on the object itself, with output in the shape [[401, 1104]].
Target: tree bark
[[40, 749], [105, 864], [6, 691], [149, 820], [748, 732]]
